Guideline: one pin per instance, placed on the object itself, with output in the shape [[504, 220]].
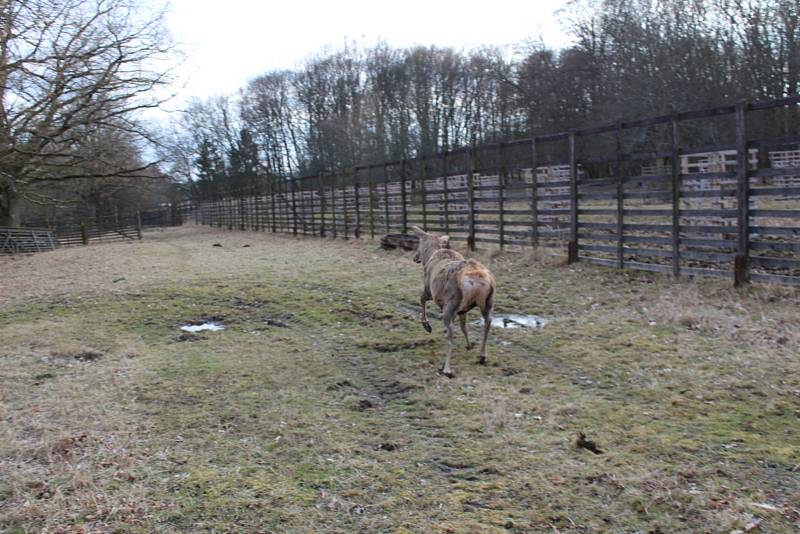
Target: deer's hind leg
[[462, 319], [447, 316], [486, 311]]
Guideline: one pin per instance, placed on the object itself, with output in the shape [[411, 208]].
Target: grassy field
[[319, 408]]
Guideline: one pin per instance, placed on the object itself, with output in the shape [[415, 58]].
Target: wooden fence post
[[534, 195], [386, 196], [740, 267], [572, 247], [333, 207], [501, 182], [223, 212], [344, 210], [283, 189], [321, 206], [446, 191], [242, 223], [310, 188], [423, 190], [358, 205], [265, 208], [293, 186], [280, 206], [371, 186], [307, 195], [84, 234], [403, 194], [256, 210], [676, 197], [139, 225], [303, 219], [272, 204], [471, 197], [620, 196]]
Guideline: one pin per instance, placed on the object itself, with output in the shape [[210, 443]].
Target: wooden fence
[[119, 226], [100, 229], [25, 240], [628, 195]]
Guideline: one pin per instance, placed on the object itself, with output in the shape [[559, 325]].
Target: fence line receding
[[728, 209]]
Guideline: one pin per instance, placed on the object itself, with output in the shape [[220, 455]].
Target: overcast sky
[[230, 41]]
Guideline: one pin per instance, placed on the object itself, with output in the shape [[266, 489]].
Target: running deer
[[456, 285]]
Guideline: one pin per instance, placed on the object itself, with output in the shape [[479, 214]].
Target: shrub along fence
[[638, 194]]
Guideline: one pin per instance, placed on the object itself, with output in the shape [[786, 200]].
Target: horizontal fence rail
[[731, 209], [25, 240], [119, 226]]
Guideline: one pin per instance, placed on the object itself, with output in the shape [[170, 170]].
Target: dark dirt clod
[[396, 347], [582, 443], [88, 356], [389, 390], [364, 404], [275, 322], [453, 465], [387, 447], [188, 337], [216, 245], [340, 385], [42, 376]]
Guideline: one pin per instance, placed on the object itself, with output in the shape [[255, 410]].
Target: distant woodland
[[630, 58], [77, 75]]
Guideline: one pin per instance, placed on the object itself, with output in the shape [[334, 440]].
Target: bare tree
[[71, 70]]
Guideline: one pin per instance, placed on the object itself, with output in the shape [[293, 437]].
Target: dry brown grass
[[337, 421], [166, 256]]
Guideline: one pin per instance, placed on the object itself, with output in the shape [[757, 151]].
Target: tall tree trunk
[[9, 207]]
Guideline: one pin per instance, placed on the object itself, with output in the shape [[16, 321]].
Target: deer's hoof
[[470, 346], [448, 374], [427, 326], [482, 361]]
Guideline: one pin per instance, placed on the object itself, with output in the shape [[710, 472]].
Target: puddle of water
[[210, 326], [513, 320]]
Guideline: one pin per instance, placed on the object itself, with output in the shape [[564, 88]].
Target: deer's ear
[[445, 241], [418, 231]]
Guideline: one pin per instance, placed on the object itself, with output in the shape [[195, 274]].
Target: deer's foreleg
[[423, 301]]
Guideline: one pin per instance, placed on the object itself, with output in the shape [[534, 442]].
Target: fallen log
[[403, 241]]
